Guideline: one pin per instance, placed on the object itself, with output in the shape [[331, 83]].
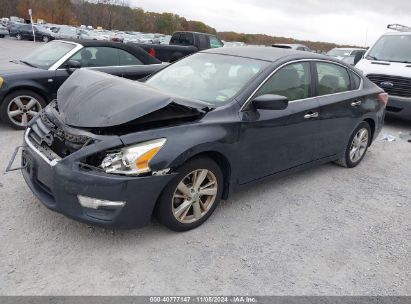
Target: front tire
[[19, 107], [357, 146], [46, 39], [192, 196], [19, 37]]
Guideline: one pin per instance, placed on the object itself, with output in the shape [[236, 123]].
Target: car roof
[[270, 54]]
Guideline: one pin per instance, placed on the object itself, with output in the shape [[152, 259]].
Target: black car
[[112, 152], [25, 32], [29, 84]]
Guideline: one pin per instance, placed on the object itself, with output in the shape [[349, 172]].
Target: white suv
[[388, 64]]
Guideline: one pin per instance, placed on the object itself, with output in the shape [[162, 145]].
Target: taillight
[[383, 98], [152, 52]]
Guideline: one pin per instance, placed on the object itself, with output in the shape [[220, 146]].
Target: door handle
[[311, 115], [356, 103]]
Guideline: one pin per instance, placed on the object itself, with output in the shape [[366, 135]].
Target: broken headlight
[[132, 160]]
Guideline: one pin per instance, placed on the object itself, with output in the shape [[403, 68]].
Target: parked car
[[25, 32], [348, 55], [182, 44], [3, 31], [112, 152], [29, 84], [387, 64], [12, 28], [66, 32], [297, 47]]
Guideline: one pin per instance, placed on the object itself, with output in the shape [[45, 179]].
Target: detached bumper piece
[[86, 195]]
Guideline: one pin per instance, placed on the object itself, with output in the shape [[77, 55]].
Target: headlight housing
[[132, 160], [1, 82]]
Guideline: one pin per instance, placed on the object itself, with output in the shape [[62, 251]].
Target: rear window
[[332, 79]]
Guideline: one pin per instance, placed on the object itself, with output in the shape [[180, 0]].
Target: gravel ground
[[325, 231]]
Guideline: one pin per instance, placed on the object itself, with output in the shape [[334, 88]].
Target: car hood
[[91, 99], [12, 68]]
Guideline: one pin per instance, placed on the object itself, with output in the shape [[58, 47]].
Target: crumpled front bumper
[[57, 185]]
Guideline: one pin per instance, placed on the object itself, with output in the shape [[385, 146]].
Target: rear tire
[[356, 147], [192, 196], [46, 39], [1, 36], [19, 107]]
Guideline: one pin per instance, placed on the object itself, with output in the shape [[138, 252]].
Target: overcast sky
[[343, 22]]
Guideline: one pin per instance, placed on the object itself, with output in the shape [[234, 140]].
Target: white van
[[388, 64]]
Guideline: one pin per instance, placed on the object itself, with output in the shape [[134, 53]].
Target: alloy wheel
[[22, 109], [359, 145], [18, 36], [194, 196]]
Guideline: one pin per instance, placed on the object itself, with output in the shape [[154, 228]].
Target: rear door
[[341, 105], [274, 141]]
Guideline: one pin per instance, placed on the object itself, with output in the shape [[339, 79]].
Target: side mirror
[[358, 57], [73, 65], [270, 102]]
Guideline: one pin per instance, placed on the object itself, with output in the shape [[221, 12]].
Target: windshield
[[212, 78], [396, 48], [47, 55], [339, 52]]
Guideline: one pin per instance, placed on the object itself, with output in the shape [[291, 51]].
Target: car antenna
[[399, 27]]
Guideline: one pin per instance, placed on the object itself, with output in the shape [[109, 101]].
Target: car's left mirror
[[270, 102], [73, 65]]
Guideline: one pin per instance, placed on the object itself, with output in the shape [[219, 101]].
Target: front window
[[292, 81], [215, 43], [212, 78], [47, 55], [395, 48]]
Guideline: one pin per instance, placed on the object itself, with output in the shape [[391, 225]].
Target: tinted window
[[332, 79], [175, 39], [186, 39], [292, 81], [97, 57], [215, 43], [125, 58]]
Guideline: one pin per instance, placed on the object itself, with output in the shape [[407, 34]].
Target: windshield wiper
[[372, 57], [29, 64]]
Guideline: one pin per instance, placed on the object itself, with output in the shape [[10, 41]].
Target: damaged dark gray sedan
[[114, 152]]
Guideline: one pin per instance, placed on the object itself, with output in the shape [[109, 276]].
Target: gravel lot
[[325, 231]]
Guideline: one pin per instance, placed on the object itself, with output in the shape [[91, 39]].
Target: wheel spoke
[[15, 113], [197, 210], [185, 205], [18, 102], [183, 189], [200, 178], [352, 153], [210, 191], [32, 113], [31, 103], [24, 119]]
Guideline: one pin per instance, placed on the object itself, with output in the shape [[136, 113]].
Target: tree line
[[117, 14]]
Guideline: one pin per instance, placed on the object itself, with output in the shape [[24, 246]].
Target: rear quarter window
[[356, 81]]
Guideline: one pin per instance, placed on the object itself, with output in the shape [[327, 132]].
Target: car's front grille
[[394, 85], [47, 135]]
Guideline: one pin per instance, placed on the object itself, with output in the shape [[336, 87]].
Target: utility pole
[[32, 26]]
